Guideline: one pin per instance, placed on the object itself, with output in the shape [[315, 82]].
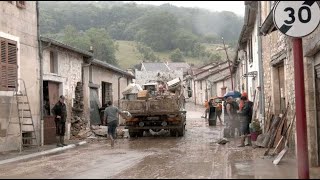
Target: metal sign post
[[298, 19]]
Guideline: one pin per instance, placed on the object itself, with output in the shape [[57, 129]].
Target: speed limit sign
[[296, 18]]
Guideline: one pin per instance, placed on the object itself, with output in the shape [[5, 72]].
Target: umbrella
[[234, 94]]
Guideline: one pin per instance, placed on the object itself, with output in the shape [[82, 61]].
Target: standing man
[[60, 112], [245, 119], [111, 114]]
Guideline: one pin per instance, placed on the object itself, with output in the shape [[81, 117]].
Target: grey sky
[[234, 6]]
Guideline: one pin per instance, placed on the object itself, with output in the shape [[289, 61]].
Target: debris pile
[[78, 122]]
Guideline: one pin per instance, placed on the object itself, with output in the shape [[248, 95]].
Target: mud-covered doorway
[[94, 107]]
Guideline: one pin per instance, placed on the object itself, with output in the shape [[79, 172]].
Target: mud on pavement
[[196, 155]]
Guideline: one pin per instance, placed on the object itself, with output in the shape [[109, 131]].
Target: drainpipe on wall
[[246, 59], [41, 77], [119, 93], [195, 94], [262, 97]]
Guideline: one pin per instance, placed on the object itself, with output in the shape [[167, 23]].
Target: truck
[[155, 110]]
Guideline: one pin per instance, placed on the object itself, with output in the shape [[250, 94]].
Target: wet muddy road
[[196, 155]]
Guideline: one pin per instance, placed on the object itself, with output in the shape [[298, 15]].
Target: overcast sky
[[234, 6]]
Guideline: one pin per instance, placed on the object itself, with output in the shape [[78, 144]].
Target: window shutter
[[8, 65], [21, 4], [12, 65], [317, 70], [3, 65]]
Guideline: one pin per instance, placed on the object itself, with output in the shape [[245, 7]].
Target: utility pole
[[225, 49]]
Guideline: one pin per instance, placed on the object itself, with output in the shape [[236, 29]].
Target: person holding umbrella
[[231, 108]]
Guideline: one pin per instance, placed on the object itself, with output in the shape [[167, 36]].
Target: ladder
[[25, 119]]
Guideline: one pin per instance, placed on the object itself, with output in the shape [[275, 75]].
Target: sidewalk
[[27, 153]]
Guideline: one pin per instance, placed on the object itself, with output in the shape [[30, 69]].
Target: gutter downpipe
[[119, 94], [262, 96], [41, 77]]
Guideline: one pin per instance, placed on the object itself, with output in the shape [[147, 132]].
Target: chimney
[[91, 49]]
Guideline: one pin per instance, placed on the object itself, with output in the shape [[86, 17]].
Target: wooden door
[[49, 124]]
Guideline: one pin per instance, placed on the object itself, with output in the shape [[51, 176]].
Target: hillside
[[128, 55], [185, 34]]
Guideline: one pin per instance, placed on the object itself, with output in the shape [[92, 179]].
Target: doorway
[[94, 107], [50, 98]]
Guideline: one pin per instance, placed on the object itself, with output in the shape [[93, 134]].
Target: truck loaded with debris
[[155, 106]]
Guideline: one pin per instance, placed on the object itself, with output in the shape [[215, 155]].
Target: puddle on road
[[242, 169]]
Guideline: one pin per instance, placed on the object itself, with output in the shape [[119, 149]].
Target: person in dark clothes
[[111, 115], [231, 116], [60, 112], [245, 120]]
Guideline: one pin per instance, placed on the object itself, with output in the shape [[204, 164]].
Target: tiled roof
[[111, 67], [155, 66]]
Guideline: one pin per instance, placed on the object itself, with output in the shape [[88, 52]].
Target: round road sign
[[296, 18]]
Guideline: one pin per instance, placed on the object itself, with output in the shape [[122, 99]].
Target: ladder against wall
[[24, 121]]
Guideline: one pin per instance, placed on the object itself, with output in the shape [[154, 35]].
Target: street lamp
[[225, 49]]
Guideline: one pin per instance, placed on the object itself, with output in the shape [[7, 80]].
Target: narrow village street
[[196, 155]]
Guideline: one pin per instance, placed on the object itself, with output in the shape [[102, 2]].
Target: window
[[53, 62], [106, 93], [8, 64], [250, 51], [21, 4], [200, 85]]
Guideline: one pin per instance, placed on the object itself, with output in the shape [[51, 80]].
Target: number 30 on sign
[[296, 18]]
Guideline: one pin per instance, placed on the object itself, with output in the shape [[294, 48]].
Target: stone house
[[279, 73], [212, 80], [106, 83], [159, 71], [19, 59], [63, 74]]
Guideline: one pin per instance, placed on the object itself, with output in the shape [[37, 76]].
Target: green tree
[[147, 54], [176, 56]]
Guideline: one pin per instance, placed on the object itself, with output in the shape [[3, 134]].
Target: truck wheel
[[181, 131], [140, 133], [132, 134], [173, 132]]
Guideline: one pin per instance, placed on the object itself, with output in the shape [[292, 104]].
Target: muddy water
[[196, 155]]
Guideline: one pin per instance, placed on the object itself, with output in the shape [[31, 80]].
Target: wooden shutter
[[317, 70], [21, 4], [8, 65]]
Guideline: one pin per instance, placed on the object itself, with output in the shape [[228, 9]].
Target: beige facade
[[106, 83], [213, 80], [18, 26]]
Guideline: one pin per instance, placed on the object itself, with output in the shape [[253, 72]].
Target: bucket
[[254, 136]]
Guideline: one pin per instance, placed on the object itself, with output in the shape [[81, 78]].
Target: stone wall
[[276, 46], [68, 75]]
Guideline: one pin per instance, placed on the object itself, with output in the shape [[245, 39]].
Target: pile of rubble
[[78, 123]]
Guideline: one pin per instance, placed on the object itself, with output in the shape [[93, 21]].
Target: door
[[51, 94], [317, 81], [94, 107]]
